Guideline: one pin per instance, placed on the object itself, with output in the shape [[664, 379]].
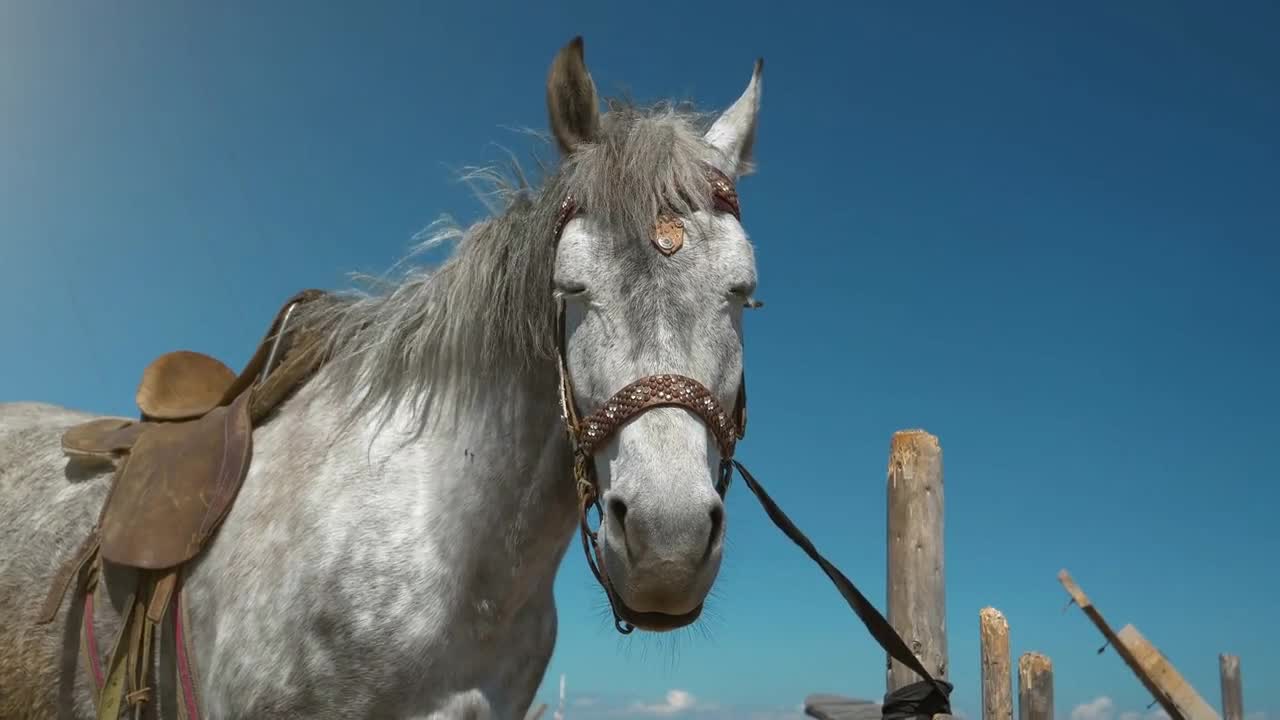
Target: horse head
[[653, 269]]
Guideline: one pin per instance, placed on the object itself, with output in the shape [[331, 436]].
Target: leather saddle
[[178, 469]]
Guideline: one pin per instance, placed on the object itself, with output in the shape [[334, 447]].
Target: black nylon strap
[[880, 629], [919, 700]]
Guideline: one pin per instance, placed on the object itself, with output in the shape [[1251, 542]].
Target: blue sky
[[1045, 232]]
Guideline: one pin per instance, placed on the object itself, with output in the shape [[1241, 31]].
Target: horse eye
[[744, 291], [570, 289]]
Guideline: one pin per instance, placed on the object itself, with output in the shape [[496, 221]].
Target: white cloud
[[675, 704], [1099, 708], [677, 701], [683, 704], [1103, 708]]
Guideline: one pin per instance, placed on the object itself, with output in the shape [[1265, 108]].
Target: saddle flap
[[102, 439], [181, 385], [176, 486]]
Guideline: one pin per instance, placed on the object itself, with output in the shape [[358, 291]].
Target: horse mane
[[487, 314]]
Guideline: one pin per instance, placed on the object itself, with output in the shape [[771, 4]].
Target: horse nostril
[[717, 523], [618, 512]]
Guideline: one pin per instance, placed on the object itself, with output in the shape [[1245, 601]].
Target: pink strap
[[94, 660], [186, 678]]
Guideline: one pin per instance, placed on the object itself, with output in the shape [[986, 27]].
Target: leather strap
[[112, 692], [161, 594], [304, 355], [138, 660], [252, 373], [73, 568], [876, 624], [127, 680]]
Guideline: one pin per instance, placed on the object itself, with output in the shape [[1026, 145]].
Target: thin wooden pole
[[1232, 693], [917, 595], [1035, 687], [1178, 698], [997, 673]]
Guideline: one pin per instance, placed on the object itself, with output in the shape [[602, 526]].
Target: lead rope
[[923, 699]]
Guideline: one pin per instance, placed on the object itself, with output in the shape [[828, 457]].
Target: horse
[[392, 549]]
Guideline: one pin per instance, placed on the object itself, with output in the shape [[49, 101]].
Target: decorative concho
[[668, 234]]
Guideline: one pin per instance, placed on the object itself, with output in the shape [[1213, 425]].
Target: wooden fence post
[[1035, 687], [1232, 693], [997, 675], [917, 593]]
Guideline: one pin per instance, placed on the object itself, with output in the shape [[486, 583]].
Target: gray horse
[[393, 548]]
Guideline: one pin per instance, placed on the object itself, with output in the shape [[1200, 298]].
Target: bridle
[[588, 434]]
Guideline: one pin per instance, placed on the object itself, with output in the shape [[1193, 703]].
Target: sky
[[1045, 232]]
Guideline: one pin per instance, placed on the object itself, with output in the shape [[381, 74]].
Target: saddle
[[178, 470]]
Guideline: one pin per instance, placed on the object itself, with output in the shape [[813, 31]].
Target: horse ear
[[734, 132], [571, 98]]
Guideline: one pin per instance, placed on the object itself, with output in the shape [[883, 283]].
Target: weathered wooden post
[[917, 594], [1035, 687], [1232, 693], [997, 673], [1178, 698]]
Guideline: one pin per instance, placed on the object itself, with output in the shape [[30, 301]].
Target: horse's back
[[47, 505]]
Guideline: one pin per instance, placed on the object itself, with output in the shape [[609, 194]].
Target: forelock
[[644, 159]]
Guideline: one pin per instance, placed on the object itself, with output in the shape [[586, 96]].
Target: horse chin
[[658, 621], [652, 602]]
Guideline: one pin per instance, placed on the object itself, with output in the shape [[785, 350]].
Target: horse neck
[[486, 479]]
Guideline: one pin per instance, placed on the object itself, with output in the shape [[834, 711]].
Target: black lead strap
[[916, 701], [922, 699]]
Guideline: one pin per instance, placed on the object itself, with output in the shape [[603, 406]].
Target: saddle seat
[[178, 470], [183, 385], [179, 385]]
